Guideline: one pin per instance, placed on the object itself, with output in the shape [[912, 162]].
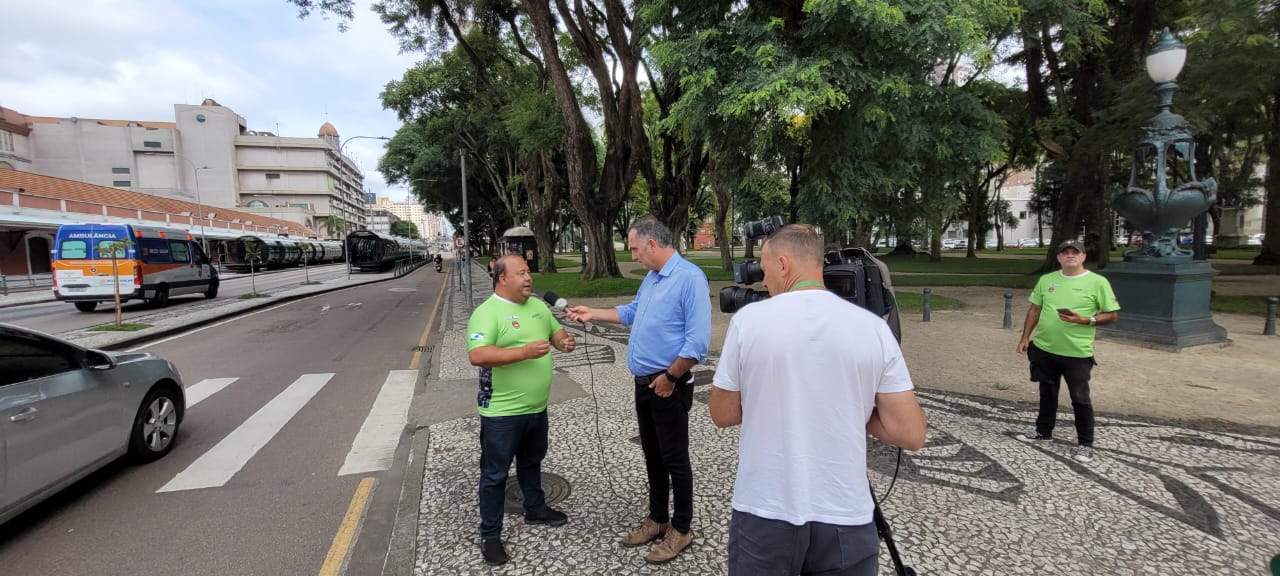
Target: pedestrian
[[1065, 307], [808, 375], [670, 321], [510, 337]]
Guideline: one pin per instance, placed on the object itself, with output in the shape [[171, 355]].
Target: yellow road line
[[426, 332], [337, 558]]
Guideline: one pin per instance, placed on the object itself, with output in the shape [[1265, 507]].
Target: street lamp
[[1165, 292], [204, 243]]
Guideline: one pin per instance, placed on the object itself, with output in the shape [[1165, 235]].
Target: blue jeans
[[503, 438]]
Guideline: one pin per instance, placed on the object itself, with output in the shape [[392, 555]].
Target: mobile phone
[[1064, 311]]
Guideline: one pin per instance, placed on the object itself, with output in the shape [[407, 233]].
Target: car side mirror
[[99, 360]]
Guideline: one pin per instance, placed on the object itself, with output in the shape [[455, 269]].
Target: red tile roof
[[61, 189]]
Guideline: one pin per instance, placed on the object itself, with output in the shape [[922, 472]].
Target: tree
[[333, 226], [1231, 91], [404, 228], [117, 249], [253, 253]]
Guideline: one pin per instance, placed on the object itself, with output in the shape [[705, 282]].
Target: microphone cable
[[595, 402]]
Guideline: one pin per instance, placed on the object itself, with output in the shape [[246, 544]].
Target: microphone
[[554, 300]]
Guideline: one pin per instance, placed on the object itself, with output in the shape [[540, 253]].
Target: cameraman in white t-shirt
[[808, 375]]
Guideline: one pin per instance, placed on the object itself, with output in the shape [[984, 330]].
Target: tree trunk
[[1270, 254], [1083, 177], [543, 187], [580, 152]]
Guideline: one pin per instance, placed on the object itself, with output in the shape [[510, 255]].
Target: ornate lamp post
[[1164, 293]]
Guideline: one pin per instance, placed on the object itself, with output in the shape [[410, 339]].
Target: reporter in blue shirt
[[670, 320]]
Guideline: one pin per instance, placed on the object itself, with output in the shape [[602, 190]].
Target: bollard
[[926, 304], [1269, 329], [1008, 310]]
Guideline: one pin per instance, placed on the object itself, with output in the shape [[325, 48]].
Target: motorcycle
[[439, 266]]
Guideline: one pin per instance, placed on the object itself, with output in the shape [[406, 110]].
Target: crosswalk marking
[[203, 389], [216, 467], [375, 444]]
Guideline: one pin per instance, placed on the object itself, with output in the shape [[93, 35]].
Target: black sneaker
[[493, 551], [1034, 436], [549, 516]]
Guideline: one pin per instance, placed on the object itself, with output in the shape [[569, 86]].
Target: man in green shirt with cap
[[510, 337], [1065, 307]]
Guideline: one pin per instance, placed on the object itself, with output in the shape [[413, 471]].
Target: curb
[[402, 547]]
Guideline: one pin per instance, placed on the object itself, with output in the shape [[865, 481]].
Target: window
[[179, 250], [6, 141], [23, 359], [154, 251], [124, 183], [105, 248], [150, 144], [257, 204], [1022, 215], [272, 176], [119, 170], [74, 249]]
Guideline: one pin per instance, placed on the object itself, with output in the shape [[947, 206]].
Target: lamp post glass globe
[[1166, 59]]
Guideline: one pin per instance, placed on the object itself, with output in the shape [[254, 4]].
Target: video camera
[[851, 273]]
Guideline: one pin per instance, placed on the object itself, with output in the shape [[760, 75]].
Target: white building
[[429, 224], [206, 155]]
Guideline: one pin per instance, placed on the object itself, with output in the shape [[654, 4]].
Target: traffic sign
[[459, 243]]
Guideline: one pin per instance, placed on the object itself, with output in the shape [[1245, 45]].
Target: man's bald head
[[800, 242]]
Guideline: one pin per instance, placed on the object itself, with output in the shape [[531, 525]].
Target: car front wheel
[[155, 427]]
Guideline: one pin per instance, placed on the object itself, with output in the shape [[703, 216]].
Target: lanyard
[[806, 284]]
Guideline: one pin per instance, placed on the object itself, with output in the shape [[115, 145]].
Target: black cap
[[1073, 243]]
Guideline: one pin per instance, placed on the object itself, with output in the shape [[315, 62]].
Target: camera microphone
[[554, 300]]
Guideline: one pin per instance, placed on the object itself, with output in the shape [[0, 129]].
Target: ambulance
[[152, 264]]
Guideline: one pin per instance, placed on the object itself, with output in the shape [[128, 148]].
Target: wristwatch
[[1093, 320], [672, 377]]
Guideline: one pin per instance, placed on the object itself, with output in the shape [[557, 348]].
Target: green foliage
[[404, 228]]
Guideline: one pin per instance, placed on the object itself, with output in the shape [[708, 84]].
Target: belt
[[646, 380]]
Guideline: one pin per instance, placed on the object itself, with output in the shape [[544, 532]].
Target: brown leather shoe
[[646, 533], [671, 546]]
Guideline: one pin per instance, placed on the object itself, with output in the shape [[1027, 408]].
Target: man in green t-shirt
[[1065, 307], [510, 337]]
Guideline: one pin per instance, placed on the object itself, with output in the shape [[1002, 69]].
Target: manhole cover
[[555, 487], [422, 349], [402, 289]]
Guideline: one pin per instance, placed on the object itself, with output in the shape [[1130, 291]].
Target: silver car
[[66, 411]]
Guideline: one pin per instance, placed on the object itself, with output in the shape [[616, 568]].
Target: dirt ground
[[967, 351]]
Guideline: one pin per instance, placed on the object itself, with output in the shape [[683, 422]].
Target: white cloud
[[135, 59]]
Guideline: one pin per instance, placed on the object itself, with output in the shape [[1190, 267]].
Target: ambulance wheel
[[212, 292], [161, 298], [86, 306]]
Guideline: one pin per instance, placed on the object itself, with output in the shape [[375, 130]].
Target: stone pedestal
[[1163, 304]]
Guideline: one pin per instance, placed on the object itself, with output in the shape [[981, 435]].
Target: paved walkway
[[1162, 497]]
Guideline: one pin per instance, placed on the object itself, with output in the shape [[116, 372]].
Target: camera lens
[[733, 298], [748, 272], [762, 227]]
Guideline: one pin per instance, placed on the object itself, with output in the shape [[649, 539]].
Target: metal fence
[[24, 281]]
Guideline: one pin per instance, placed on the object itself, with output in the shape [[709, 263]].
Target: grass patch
[[920, 264], [1236, 254], [1239, 304], [126, 327], [1232, 269], [252, 296], [1009, 281], [914, 301], [567, 263], [570, 285]]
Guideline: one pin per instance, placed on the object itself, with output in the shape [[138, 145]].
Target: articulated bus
[[152, 264]]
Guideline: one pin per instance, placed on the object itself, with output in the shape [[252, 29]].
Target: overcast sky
[[135, 59]]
